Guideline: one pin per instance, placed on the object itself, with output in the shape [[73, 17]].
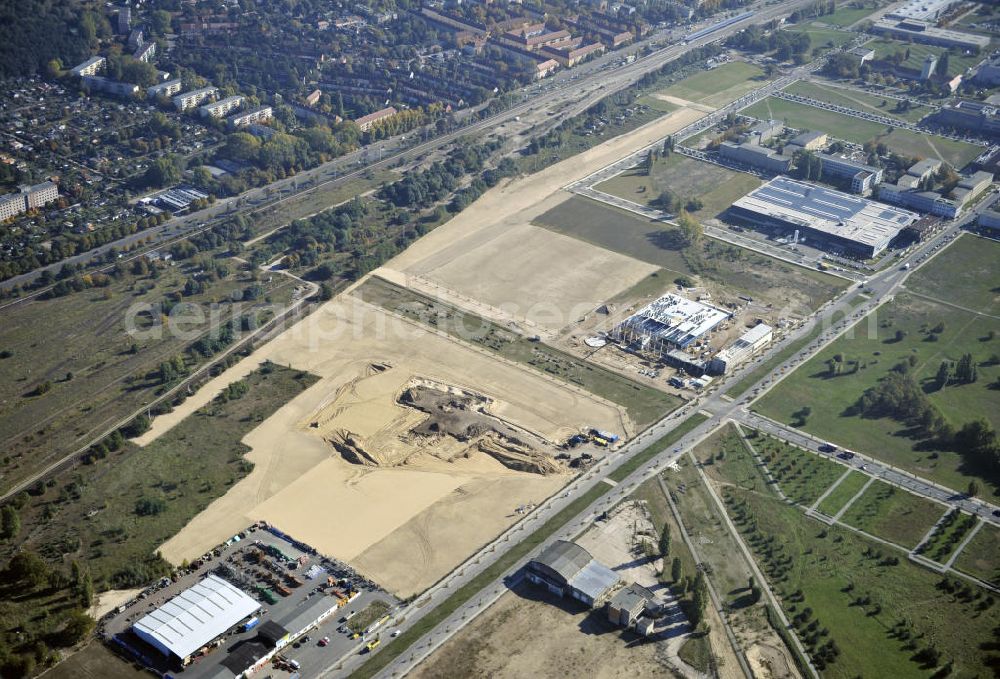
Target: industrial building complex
[[668, 323], [240, 607], [195, 617], [856, 226], [567, 569]]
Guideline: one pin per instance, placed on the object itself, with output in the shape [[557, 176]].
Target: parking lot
[[295, 588]]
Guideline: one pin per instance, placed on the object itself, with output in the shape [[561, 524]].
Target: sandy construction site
[[346, 467], [491, 255], [453, 495]]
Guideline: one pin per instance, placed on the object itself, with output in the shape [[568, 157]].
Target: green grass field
[[979, 558], [848, 586], [93, 515], [644, 404], [367, 615], [964, 273], [111, 516], [701, 515], [95, 377], [846, 16], [719, 85], [717, 187], [859, 131], [893, 514], [857, 100], [843, 493], [957, 63], [802, 476], [737, 271], [321, 198], [821, 37], [657, 104], [872, 348], [948, 536]]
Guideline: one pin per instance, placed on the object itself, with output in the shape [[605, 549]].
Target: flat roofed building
[[97, 83], [988, 73], [257, 115], [146, 52], [165, 89], [976, 116], [566, 568], [11, 206], [856, 226], [28, 198], [809, 141], [863, 53], [91, 66], [754, 156], [221, 107], [863, 177], [629, 603], [924, 168], [366, 123], [40, 194], [667, 323], [908, 195], [990, 219], [124, 20], [136, 38], [192, 98], [928, 34], [922, 10], [195, 617], [763, 131], [743, 348]]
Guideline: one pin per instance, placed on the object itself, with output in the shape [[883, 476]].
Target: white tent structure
[[195, 617]]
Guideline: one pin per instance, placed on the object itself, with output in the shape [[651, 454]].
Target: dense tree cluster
[[35, 32], [899, 397], [423, 189], [785, 44]]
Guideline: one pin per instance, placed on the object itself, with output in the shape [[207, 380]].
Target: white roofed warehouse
[[195, 617], [839, 221], [667, 323]]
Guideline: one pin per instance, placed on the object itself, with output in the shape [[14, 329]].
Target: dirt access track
[[490, 259]]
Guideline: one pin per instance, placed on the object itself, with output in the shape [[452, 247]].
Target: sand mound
[[518, 458], [351, 448]]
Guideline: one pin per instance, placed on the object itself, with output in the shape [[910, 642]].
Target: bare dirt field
[[677, 101], [532, 273], [490, 253], [529, 633], [366, 359]]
